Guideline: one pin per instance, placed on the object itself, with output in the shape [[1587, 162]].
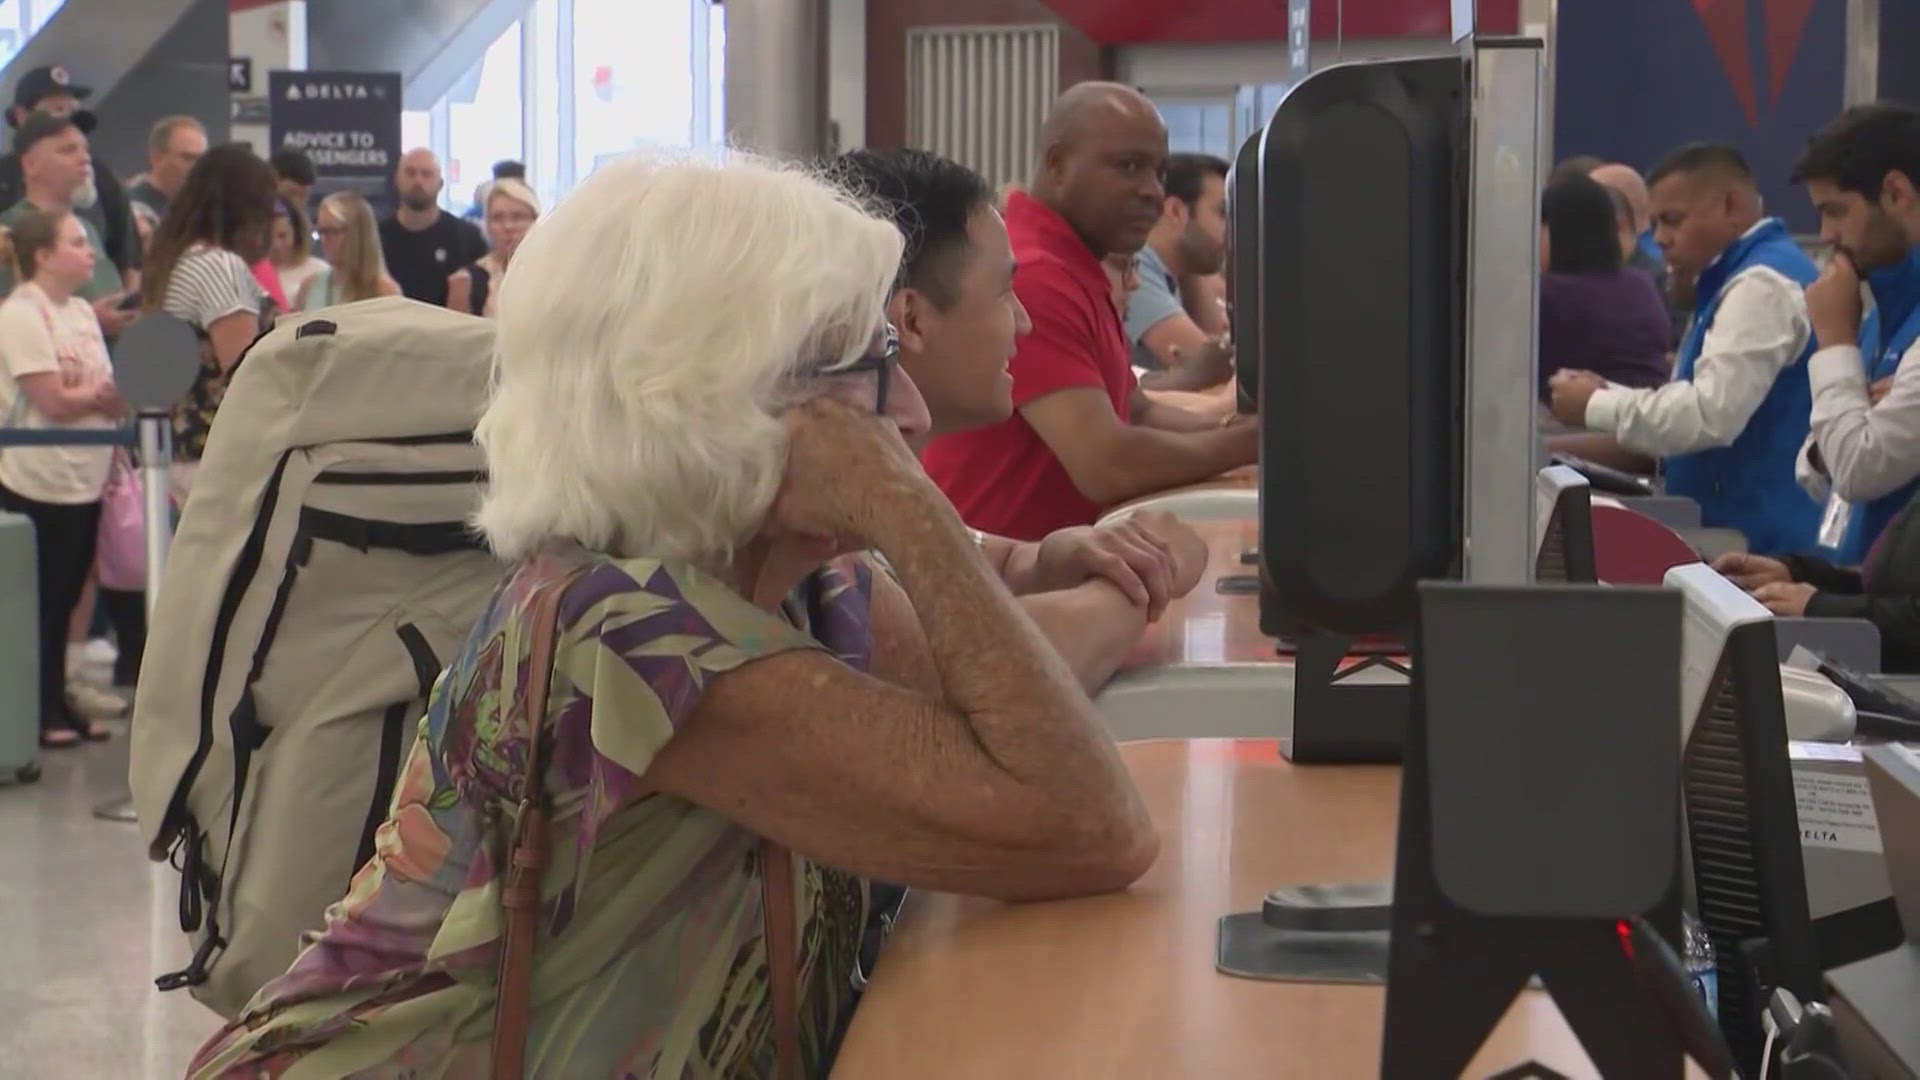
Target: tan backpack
[[322, 575]]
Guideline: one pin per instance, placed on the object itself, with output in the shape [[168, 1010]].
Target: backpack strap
[[527, 856], [781, 918], [482, 280]]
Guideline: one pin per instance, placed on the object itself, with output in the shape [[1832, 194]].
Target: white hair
[[647, 329]]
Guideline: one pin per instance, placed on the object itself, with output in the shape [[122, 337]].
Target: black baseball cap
[[41, 83], [38, 126]]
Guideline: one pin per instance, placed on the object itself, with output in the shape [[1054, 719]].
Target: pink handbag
[[121, 550]]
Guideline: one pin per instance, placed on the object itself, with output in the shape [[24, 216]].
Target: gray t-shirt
[[1155, 300]]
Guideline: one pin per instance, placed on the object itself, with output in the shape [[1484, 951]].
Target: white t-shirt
[[37, 335], [292, 277]]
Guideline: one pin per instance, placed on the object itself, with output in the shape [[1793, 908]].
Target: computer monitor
[[1563, 527], [1742, 826], [1243, 271], [1538, 812], [1893, 774], [1360, 380], [1362, 344]]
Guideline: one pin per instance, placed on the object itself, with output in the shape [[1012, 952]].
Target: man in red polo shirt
[[1084, 438]]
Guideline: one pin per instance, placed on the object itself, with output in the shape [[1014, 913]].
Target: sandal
[[59, 739]]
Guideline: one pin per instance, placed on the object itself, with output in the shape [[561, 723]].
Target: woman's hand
[[849, 474], [1750, 572], [107, 400]]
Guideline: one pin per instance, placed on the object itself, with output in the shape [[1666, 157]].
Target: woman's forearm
[[996, 668]]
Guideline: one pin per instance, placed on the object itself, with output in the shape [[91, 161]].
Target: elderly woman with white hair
[[696, 422]]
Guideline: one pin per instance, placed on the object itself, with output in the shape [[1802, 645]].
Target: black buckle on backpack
[[195, 972]]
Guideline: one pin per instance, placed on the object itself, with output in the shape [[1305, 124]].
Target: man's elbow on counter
[[1101, 482]]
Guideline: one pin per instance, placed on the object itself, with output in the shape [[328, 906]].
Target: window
[[633, 80], [572, 84], [19, 21], [1199, 124], [484, 119]]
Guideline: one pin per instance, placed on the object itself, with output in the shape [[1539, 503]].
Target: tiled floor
[[86, 922]]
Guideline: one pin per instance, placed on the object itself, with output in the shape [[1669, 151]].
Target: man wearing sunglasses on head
[[1091, 589]]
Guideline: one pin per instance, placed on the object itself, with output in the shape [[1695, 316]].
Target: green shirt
[[106, 276]]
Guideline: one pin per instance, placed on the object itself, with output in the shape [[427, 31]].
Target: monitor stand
[[1311, 933], [1338, 717]]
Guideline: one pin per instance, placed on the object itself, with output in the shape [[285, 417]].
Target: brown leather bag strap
[[782, 920], [527, 857]]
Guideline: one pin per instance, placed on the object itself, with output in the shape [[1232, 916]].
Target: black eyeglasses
[[879, 360]]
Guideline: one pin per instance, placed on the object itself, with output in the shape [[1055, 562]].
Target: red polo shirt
[[1005, 479]]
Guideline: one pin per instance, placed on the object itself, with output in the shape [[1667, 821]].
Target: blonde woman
[[511, 209], [355, 268]]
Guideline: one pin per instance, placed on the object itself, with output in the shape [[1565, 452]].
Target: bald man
[[1082, 437], [424, 244]]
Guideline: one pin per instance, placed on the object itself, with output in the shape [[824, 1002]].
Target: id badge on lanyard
[[1833, 523]]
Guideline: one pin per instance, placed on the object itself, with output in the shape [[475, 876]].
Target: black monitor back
[[1362, 256], [1243, 271], [1743, 833], [1565, 549]]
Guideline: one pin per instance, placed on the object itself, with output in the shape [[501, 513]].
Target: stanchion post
[[155, 433]]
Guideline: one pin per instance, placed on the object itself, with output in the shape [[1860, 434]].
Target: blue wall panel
[[1637, 78]]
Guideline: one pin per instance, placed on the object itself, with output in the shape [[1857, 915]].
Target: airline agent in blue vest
[[1730, 424], [1862, 173]]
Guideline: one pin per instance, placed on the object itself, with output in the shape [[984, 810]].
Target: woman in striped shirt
[[199, 269]]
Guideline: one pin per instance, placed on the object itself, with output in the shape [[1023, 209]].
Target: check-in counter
[[1233, 497]]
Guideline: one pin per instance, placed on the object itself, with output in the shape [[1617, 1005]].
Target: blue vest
[[1889, 331], [1750, 485]]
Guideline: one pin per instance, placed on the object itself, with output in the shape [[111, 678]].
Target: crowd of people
[[218, 237], [813, 460]]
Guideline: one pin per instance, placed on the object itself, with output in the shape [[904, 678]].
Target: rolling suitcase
[[19, 651]]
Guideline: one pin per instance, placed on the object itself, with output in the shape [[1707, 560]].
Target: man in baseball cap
[[49, 89], [52, 91]]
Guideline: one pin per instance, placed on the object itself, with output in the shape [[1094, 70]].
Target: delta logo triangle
[[1785, 30], [293, 92]]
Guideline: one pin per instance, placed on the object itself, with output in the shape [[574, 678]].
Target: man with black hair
[[1863, 174], [1091, 589], [297, 178], [1730, 424], [101, 202], [1189, 241]]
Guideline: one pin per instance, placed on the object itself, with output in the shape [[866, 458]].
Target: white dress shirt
[[1869, 450], [1759, 330]]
